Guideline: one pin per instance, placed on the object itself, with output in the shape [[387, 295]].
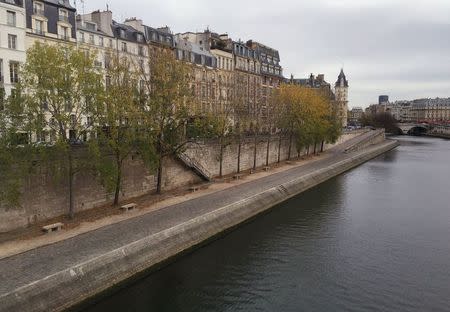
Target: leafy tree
[[120, 133], [166, 108], [16, 156], [306, 116], [381, 120], [63, 98]]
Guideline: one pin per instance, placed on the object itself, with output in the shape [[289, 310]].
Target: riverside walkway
[[25, 268]]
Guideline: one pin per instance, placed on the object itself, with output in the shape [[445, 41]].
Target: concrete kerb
[[74, 285]]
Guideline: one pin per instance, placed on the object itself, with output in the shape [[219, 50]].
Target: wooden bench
[[237, 176], [52, 227], [266, 168], [194, 188], [128, 207]]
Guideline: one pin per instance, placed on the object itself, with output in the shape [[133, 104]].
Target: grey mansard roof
[[340, 78], [61, 3]]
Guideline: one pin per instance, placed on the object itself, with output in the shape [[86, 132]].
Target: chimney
[[321, 77], [103, 21], [135, 23]]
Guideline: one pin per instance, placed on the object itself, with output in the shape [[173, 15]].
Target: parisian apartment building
[[223, 70]]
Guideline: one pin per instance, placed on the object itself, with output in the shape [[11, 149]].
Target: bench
[[237, 176], [128, 207], [52, 227], [266, 168], [194, 188]]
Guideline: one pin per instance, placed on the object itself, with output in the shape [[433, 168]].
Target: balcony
[[37, 11], [63, 18]]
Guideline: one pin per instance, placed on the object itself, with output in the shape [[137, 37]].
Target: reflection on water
[[373, 239]]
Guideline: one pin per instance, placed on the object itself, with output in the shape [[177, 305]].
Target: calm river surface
[[373, 239]]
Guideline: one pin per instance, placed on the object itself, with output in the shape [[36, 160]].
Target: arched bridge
[[413, 128]]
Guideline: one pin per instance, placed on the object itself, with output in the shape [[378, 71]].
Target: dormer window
[[122, 33], [63, 15], [38, 8], [140, 38], [90, 26]]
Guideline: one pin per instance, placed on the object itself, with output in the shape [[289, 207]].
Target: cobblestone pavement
[[22, 269]]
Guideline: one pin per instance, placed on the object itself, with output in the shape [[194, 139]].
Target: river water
[[373, 239]]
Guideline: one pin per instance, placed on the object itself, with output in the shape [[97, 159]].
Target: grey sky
[[395, 47]]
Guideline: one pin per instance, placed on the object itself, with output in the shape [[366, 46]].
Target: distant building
[[383, 99], [431, 110], [341, 92], [355, 115]]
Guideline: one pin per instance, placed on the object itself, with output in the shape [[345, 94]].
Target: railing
[[196, 166]]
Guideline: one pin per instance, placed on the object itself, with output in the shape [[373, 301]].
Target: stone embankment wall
[[44, 198], [75, 284], [207, 153]]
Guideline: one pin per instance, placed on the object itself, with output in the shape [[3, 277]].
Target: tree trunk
[[71, 175], [221, 160], [279, 148], [160, 167], [322, 147], [315, 148], [118, 182], [159, 178], [254, 151], [307, 151], [290, 146], [239, 155], [267, 152]]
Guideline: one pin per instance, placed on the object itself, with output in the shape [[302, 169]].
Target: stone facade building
[[12, 45], [50, 21]]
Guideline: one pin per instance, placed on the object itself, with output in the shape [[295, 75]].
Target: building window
[[63, 15], [38, 8], [110, 43], [81, 36], [122, 33], [39, 27], [11, 18], [64, 33], [141, 51], [14, 72], [100, 41], [91, 39], [12, 41], [124, 47]]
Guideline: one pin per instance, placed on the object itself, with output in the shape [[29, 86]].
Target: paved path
[[22, 269]]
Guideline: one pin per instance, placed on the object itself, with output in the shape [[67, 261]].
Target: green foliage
[[381, 120]]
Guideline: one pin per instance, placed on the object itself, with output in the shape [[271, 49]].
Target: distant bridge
[[414, 128]]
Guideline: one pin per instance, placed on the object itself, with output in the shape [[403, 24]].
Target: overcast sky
[[395, 47]]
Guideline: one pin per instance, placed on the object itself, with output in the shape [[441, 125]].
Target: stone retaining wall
[[73, 285], [43, 198]]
